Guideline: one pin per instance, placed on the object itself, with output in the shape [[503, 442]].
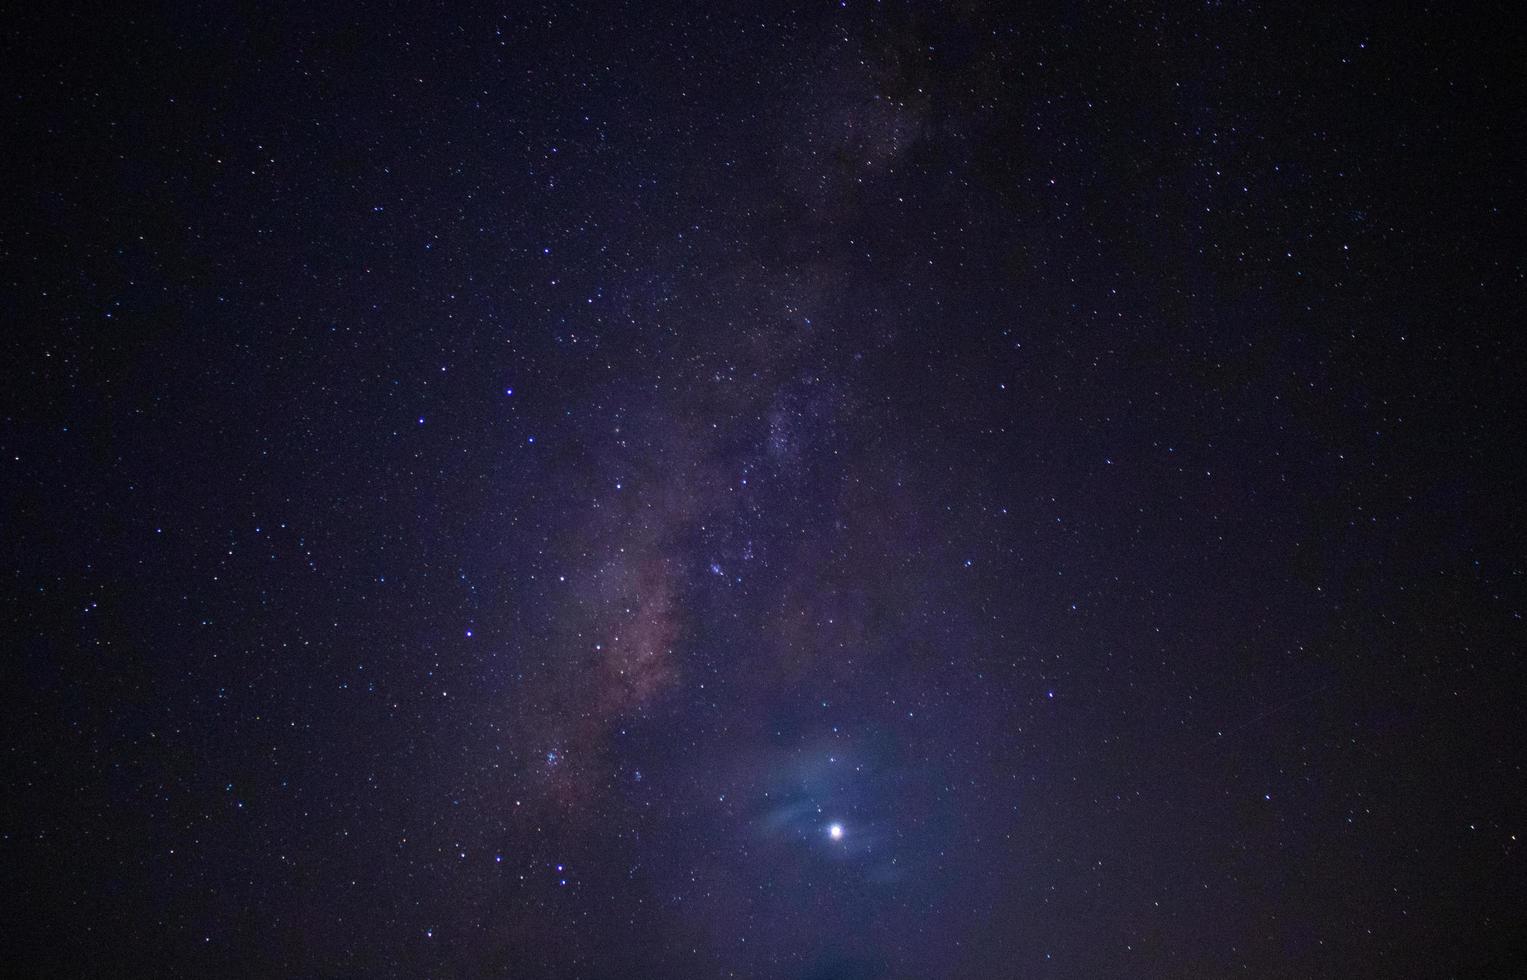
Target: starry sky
[[784, 490]]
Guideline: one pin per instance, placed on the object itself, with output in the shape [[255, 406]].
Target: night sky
[[864, 490]]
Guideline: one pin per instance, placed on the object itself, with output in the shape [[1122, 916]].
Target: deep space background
[[846, 490]]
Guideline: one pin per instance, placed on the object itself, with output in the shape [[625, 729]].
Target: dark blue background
[[486, 488]]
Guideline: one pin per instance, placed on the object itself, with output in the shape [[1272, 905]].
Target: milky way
[[851, 490]]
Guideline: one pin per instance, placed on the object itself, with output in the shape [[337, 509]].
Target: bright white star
[[835, 831]]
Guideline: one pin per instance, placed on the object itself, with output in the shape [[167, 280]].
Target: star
[[835, 831]]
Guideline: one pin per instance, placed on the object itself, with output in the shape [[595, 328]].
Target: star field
[[849, 490]]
